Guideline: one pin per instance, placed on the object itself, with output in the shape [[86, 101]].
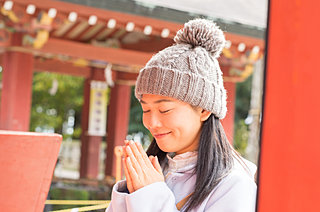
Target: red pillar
[[290, 141], [90, 145], [117, 124], [17, 89]]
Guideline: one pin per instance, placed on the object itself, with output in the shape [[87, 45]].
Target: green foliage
[[77, 132], [243, 96], [68, 194], [50, 111], [241, 130], [241, 136], [71, 191], [135, 123]]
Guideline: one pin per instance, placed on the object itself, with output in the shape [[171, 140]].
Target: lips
[[161, 135]]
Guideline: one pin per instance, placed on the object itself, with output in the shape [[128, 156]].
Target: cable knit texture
[[189, 70]]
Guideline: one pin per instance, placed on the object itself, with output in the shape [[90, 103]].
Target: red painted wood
[[66, 34], [289, 164], [90, 145], [27, 163], [61, 67], [89, 52], [122, 19], [89, 160], [228, 121], [117, 123], [16, 90], [150, 45], [102, 14]]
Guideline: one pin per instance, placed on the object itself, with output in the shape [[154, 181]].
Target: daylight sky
[[249, 12]]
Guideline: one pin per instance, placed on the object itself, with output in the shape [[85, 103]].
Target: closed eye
[[145, 111], [164, 111]]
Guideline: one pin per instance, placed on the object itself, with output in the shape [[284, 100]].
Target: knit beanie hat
[[188, 70]]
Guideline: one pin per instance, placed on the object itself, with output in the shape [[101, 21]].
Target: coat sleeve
[[156, 197], [118, 197], [236, 193]]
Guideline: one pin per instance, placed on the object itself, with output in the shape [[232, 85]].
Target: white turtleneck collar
[[184, 162]]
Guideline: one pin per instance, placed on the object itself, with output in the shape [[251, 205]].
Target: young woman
[[190, 165]]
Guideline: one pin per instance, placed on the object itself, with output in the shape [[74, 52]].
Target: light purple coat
[[235, 193]]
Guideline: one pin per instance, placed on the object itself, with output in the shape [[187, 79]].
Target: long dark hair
[[214, 160]]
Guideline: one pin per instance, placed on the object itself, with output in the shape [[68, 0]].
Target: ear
[[204, 115]]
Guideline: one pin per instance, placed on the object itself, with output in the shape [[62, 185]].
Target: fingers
[[124, 154], [142, 158], [138, 146], [128, 178], [133, 174], [134, 161], [156, 164], [135, 150], [126, 142], [142, 152]]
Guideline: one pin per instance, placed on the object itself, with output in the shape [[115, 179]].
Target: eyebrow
[[156, 102]]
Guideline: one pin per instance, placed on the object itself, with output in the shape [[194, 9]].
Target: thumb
[[156, 164]]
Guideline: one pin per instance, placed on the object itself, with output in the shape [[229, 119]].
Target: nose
[[151, 121]]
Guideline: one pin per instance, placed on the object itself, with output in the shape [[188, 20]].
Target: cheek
[[178, 123], [188, 124], [145, 121]]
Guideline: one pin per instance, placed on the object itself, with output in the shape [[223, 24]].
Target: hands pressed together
[[140, 170]]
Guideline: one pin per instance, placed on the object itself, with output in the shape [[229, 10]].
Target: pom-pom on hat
[[189, 70]]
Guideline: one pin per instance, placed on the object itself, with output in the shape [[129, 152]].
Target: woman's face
[[174, 124]]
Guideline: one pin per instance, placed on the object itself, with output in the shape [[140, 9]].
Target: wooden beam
[[249, 41], [60, 67], [122, 19], [102, 14], [154, 44], [89, 52], [127, 76]]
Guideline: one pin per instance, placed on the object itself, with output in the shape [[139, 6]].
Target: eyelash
[[165, 111]]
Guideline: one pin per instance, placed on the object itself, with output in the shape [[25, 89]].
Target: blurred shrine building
[[107, 43]]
